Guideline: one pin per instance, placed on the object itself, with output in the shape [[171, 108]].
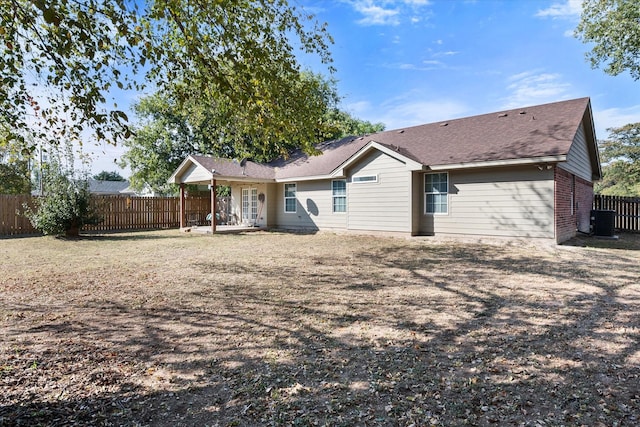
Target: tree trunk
[[73, 231]]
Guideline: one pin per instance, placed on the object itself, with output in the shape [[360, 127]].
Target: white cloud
[[388, 12], [446, 53], [403, 113], [533, 87], [408, 110], [426, 65], [567, 9], [359, 108], [614, 117], [376, 15]]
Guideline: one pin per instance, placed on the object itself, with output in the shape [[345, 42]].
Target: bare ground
[[170, 329]]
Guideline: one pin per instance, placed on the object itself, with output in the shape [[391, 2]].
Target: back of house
[[526, 172]]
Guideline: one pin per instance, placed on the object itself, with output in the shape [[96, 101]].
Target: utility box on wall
[[603, 222]]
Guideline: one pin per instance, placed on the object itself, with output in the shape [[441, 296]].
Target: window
[[339, 192], [363, 179], [436, 193], [254, 204], [290, 198]]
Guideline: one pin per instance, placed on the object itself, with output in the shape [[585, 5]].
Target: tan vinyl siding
[[578, 160], [314, 208], [272, 204], [195, 174], [384, 205], [513, 202], [236, 203], [417, 179]]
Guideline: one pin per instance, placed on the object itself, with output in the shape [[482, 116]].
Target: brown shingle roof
[[334, 153], [233, 168], [530, 132], [538, 131]]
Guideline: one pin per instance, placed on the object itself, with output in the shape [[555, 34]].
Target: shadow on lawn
[[358, 347], [625, 241]]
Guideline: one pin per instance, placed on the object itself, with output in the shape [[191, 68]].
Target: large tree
[[62, 59], [613, 26], [621, 156], [109, 176], [15, 173], [14, 176], [170, 130]]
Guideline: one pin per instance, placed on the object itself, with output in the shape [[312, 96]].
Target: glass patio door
[[249, 205]]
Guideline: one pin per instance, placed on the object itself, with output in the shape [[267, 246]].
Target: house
[[526, 172], [108, 188]]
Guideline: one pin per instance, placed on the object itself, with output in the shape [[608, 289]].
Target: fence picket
[[627, 217], [118, 213]]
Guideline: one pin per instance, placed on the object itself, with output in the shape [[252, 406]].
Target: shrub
[[65, 206]]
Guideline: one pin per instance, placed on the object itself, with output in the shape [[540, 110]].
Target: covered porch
[[247, 202]]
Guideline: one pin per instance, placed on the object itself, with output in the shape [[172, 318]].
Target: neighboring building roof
[[537, 133], [107, 187]]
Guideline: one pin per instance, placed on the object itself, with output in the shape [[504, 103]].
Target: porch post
[[213, 204], [183, 215]]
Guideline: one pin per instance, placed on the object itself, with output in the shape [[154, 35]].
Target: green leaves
[[65, 206], [613, 26], [621, 155], [66, 57]]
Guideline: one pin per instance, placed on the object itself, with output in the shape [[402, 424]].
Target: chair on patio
[[217, 218]]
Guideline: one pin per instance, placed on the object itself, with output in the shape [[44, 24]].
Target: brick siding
[[566, 222]]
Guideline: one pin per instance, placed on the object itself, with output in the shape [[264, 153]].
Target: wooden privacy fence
[[627, 216], [11, 223], [118, 213]]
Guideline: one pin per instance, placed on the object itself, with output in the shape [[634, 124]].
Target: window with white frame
[[436, 193], [339, 193], [290, 198], [364, 178]]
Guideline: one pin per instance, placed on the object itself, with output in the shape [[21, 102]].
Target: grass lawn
[[167, 328]]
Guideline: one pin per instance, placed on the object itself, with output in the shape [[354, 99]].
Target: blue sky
[[412, 62]]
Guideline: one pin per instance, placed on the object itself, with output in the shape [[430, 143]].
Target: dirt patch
[[163, 328]]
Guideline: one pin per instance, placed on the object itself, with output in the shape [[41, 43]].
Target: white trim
[[410, 164], [360, 179], [307, 178], [173, 179], [295, 197], [333, 197], [493, 163], [424, 191]]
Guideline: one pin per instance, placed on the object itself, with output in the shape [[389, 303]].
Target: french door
[[249, 205]]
